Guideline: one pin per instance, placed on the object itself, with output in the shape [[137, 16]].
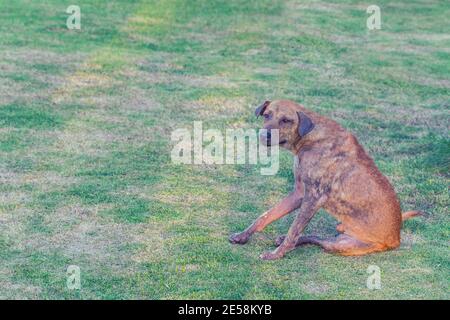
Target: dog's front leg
[[307, 210], [288, 204]]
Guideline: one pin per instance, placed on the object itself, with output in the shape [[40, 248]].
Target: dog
[[332, 171]]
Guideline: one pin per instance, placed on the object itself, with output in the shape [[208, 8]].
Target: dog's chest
[[301, 164], [296, 163], [297, 170], [307, 168]]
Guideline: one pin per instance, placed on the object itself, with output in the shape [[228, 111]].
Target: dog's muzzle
[[270, 137]]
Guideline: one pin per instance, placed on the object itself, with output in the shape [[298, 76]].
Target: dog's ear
[[260, 110], [305, 124]]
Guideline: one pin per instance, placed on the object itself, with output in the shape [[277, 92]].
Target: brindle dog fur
[[332, 171]]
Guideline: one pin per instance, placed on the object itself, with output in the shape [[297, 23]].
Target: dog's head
[[292, 124]]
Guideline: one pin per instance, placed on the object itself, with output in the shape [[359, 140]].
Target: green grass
[[85, 123]]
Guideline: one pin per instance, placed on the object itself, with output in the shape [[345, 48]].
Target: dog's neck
[[303, 142]]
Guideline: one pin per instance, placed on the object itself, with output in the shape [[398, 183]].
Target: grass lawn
[[86, 117]]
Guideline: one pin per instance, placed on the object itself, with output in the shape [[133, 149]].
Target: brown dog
[[332, 171]]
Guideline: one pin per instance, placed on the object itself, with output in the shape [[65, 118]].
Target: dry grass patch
[[11, 91], [155, 241], [87, 143], [46, 180], [79, 81], [183, 198], [14, 198], [316, 288], [80, 233], [131, 98], [323, 6], [15, 291], [40, 56], [219, 107], [184, 79]]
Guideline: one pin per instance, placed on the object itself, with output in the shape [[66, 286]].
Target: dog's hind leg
[[279, 240], [343, 245], [301, 241]]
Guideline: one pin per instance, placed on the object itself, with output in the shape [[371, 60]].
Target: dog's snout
[[266, 136]]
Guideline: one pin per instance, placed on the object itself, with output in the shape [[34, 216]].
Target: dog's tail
[[411, 214]]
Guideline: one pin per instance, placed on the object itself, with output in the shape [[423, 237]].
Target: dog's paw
[[279, 240], [270, 255], [239, 238]]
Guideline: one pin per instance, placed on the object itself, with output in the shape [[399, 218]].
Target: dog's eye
[[286, 120], [266, 116]]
